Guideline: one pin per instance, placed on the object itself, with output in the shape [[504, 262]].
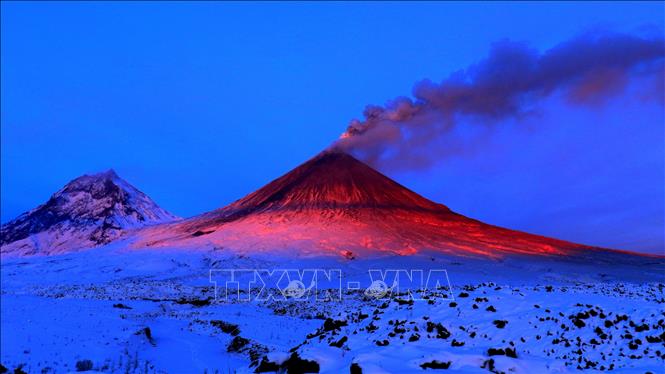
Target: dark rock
[[653, 339], [226, 327], [201, 233], [500, 323], [237, 344], [296, 365], [83, 365], [147, 334], [489, 365], [266, 366], [195, 302], [579, 323], [340, 342], [496, 352], [404, 302], [436, 365], [441, 332], [333, 325], [455, 343], [642, 327], [509, 352]]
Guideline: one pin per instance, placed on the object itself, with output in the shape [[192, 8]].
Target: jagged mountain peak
[[89, 210], [108, 176]]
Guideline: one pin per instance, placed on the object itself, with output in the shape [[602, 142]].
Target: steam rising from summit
[[508, 84]]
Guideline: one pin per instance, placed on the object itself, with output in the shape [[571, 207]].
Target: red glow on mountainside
[[334, 203]]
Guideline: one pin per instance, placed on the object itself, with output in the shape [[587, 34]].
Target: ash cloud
[[508, 84]]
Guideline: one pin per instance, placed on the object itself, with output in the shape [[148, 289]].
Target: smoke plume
[[508, 84]]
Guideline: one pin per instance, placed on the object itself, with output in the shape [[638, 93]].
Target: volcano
[[335, 204], [88, 211]]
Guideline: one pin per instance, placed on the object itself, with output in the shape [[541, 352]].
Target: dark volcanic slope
[[334, 203], [331, 181]]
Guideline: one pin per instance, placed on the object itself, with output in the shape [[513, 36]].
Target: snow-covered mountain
[[89, 211], [334, 204], [514, 303]]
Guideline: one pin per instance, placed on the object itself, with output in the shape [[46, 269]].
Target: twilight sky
[[198, 104]]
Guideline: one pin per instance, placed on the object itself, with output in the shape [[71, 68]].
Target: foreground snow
[[154, 311]]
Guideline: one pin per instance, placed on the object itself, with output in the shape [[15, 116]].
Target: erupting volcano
[[335, 204]]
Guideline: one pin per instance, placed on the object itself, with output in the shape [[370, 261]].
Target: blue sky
[[198, 104]]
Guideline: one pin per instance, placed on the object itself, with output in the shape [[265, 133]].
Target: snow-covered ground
[[155, 311]]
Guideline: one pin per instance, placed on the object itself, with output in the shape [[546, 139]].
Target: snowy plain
[[120, 310]]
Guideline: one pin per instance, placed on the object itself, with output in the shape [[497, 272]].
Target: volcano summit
[[89, 211], [336, 204]]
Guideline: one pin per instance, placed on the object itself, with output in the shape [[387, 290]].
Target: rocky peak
[[96, 208]]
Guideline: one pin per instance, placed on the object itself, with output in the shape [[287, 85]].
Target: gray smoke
[[508, 84]]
